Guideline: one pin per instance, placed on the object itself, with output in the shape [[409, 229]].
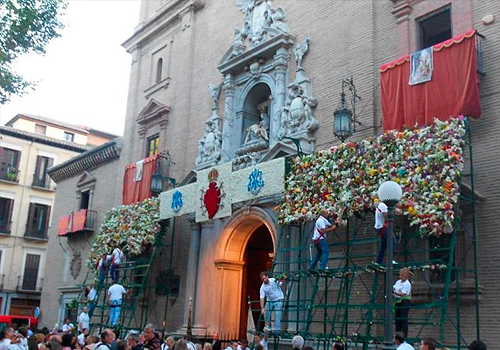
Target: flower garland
[[132, 228], [426, 162]]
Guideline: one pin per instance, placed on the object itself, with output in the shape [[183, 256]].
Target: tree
[[25, 26]]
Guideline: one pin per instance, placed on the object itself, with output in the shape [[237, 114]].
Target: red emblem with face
[[212, 196]]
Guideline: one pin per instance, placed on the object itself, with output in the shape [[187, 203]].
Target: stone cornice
[[166, 17]]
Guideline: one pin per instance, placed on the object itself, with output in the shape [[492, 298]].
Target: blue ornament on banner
[[255, 181], [177, 201]]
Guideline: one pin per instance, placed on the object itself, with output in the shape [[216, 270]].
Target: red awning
[[453, 89], [136, 191]]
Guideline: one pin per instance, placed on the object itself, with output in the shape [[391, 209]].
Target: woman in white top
[[402, 296]]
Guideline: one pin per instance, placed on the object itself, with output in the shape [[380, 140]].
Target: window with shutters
[[69, 136], [30, 276], [41, 178], [6, 206], [9, 164], [38, 221], [159, 69], [40, 129]]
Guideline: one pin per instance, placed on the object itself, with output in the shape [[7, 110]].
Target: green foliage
[[25, 26]]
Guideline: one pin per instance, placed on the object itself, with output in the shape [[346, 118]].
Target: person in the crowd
[[114, 344], [116, 258], [337, 345], [243, 345], [107, 338], [67, 341], [90, 342], [121, 345], [133, 342], [477, 345], [75, 344], [198, 346], [400, 341], [427, 344], [216, 343], [21, 340], [381, 225], [263, 341], [170, 342], [67, 326], [8, 336], [207, 346], [233, 345], [321, 228], [84, 319], [271, 300], [190, 345], [32, 344], [151, 342], [181, 344], [82, 336], [297, 342], [402, 297], [115, 297]]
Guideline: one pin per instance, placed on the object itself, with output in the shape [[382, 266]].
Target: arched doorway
[[258, 257], [248, 232]]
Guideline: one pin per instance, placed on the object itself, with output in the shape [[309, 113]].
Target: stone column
[[227, 131], [281, 61], [192, 272]]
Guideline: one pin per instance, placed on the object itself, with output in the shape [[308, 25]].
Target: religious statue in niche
[[262, 20], [209, 147]]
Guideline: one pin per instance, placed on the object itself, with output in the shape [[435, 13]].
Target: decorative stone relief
[[209, 147], [76, 265], [297, 116], [262, 22]]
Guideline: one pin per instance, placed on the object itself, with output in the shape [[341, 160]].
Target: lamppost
[[390, 193], [345, 119]]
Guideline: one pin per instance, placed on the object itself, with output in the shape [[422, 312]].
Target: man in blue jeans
[[321, 228], [115, 297], [381, 225], [271, 299]]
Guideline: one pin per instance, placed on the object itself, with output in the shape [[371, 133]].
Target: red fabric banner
[[79, 218], [453, 89], [136, 191], [63, 225]]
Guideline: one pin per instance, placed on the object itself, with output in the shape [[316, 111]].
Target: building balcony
[[77, 221], [11, 174], [29, 284]]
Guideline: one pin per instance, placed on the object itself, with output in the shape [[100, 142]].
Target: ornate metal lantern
[[157, 179], [344, 120]]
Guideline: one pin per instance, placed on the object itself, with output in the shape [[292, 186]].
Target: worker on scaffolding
[[402, 296], [381, 225], [321, 228], [271, 299]]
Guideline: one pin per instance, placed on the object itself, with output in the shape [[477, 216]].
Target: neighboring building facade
[[213, 96], [29, 146]]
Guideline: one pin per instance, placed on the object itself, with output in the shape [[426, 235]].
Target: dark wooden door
[[31, 271]]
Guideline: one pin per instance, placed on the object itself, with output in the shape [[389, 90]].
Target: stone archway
[[229, 260]]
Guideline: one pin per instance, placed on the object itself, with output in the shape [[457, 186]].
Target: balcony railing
[[79, 221], [11, 174], [29, 284]]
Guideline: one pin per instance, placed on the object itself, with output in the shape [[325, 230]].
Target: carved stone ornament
[[209, 147], [262, 21], [76, 265]]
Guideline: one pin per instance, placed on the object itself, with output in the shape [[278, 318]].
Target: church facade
[[229, 88]]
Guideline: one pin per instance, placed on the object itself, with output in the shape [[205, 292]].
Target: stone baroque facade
[[259, 95]]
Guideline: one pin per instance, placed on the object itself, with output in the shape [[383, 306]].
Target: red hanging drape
[[63, 225], [133, 191], [452, 91]]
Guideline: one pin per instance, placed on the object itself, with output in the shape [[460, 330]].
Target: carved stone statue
[[278, 21], [215, 93], [256, 132], [297, 116], [300, 51]]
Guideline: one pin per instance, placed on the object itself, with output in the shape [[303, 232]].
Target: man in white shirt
[[84, 319], [81, 337], [8, 335], [399, 340], [271, 299], [114, 297], [381, 229], [67, 326], [257, 339], [116, 259], [321, 228]]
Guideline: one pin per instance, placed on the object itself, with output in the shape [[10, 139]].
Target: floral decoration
[[132, 228], [426, 162], [255, 181]]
